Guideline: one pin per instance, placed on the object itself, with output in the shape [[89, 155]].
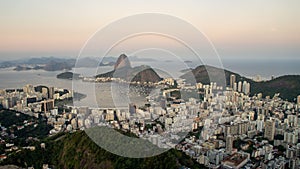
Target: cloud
[[138, 59]]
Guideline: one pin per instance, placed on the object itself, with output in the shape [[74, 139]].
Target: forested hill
[[77, 150]]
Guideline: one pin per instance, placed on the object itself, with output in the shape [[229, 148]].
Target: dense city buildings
[[225, 127]]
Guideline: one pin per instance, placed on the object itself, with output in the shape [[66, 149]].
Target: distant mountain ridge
[[288, 86], [88, 61], [45, 63], [55, 64]]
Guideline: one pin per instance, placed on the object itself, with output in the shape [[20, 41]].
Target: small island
[[68, 75]]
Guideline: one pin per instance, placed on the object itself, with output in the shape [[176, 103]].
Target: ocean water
[[264, 67], [98, 94], [17, 79], [101, 94]]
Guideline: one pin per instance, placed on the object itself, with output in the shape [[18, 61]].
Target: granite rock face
[[122, 62]]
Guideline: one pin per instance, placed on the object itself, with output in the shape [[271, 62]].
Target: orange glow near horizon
[[57, 27]]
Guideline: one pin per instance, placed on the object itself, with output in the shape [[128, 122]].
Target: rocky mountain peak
[[122, 62]]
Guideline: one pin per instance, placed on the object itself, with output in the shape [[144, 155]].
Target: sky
[[249, 29]]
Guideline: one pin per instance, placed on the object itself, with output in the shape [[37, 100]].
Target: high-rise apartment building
[[51, 92], [239, 86], [229, 144], [232, 80], [269, 130]]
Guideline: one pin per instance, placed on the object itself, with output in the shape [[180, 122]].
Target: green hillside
[[77, 150], [22, 126]]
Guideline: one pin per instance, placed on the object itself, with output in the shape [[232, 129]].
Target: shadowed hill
[[204, 73], [288, 86]]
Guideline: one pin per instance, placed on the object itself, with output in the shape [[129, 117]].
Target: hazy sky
[[238, 29]]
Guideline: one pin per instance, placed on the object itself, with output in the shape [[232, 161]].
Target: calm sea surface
[[101, 93]]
